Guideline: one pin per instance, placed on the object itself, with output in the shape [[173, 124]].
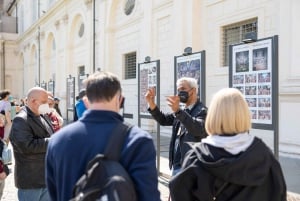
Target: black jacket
[[193, 122], [29, 139], [210, 172]]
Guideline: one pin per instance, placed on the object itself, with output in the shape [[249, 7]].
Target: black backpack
[[105, 179]]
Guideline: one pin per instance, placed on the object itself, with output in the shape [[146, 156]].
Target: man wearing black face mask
[[188, 123]]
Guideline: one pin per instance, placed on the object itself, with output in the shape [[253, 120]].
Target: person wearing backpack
[[70, 150]]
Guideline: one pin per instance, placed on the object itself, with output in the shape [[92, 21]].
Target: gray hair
[[191, 81]]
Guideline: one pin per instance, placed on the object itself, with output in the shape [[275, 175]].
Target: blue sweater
[[71, 148]]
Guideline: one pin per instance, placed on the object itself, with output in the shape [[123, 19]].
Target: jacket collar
[[101, 115], [29, 112], [37, 119]]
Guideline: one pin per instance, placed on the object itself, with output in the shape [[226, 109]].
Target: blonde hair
[[228, 113]]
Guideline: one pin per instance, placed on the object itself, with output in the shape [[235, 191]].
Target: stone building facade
[[58, 38]]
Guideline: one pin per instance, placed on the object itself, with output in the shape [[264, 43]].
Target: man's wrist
[[152, 107]]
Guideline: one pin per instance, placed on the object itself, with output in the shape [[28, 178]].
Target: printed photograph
[[251, 102], [264, 115], [250, 78], [264, 77], [241, 88], [250, 90], [242, 61], [264, 102], [264, 90], [188, 68], [260, 59], [148, 78], [253, 114], [238, 79]]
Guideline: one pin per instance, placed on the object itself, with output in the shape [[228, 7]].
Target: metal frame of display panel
[[149, 76], [70, 96]]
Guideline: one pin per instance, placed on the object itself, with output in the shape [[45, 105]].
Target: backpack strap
[[116, 141]]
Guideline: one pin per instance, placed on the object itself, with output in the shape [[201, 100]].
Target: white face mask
[[44, 108]]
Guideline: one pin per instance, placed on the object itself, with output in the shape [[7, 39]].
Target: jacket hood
[[248, 168]]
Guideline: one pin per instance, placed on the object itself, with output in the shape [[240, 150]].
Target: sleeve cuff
[[178, 112]]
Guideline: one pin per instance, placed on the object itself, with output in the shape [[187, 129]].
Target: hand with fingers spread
[[173, 103], [150, 97]]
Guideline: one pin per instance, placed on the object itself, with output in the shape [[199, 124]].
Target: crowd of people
[[212, 154]]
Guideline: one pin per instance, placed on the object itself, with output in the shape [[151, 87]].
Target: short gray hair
[[191, 81]]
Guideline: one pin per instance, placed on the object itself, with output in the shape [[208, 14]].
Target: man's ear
[[86, 101], [195, 90]]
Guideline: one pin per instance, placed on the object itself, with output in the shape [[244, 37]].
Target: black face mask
[[183, 96]]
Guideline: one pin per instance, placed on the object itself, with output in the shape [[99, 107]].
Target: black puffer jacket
[[29, 139]]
